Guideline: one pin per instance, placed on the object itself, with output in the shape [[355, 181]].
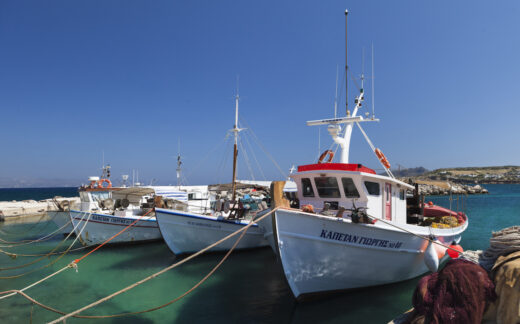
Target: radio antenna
[[373, 83]]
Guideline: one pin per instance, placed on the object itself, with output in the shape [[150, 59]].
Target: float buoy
[[431, 259], [454, 254], [103, 181], [328, 153]]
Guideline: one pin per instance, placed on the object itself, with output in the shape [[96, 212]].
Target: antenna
[[346, 66], [319, 140], [373, 88], [336, 96], [179, 164], [362, 67]]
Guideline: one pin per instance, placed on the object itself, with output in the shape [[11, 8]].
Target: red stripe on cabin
[[335, 167]]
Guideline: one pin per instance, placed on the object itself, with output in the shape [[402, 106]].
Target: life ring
[[324, 154], [103, 181], [382, 158]]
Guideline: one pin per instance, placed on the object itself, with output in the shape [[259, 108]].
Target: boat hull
[[321, 254], [101, 227], [188, 233], [62, 220]]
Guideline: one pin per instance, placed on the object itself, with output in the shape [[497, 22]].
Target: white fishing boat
[[91, 195], [354, 228], [217, 213], [112, 211]]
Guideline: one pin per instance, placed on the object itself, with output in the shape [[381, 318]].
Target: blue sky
[[131, 78]]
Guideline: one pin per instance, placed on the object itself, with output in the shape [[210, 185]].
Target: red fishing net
[[459, 293]]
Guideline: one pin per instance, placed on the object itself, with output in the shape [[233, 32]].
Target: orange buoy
[[382, 158], [328, 153], [308, 209], [103, 181], [454, 254]]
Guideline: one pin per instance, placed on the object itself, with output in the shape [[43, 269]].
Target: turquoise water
[[249, 287]]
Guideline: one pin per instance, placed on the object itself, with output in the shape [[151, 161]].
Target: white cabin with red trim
[[347, 185]]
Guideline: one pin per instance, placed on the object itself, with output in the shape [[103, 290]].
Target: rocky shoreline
[[451, 188], [15, 209]]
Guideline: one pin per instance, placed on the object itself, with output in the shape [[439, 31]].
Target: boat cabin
[[335, 185]]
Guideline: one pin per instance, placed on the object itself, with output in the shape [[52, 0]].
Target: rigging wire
[[196, 168], [264, 150], [254, 156], [246, 158]]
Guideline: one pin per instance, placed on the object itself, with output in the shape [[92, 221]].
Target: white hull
[[320, 253], [188, 233], [101, 227], [61, 218]]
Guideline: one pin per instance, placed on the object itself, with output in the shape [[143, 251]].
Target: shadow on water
[[250, 287], [151, 255]]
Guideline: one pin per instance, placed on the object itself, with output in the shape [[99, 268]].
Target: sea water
[[248, 288]]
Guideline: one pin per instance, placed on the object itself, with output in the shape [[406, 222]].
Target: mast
[[346, 66], [345, 141], [179, 163], [235, 131]]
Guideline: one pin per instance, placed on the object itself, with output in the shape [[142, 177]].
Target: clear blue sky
[[129, 78]]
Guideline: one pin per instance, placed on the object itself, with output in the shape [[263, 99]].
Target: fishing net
[[459, 293]]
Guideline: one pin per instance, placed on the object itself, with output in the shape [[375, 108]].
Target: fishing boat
[[97, 190], [219, 212], [110, 212], [354, 227]]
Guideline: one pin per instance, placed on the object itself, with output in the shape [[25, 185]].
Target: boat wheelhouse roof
[[346, 168], [335, 167]]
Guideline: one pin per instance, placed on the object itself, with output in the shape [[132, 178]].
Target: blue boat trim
[[178, 213], [106, 215]]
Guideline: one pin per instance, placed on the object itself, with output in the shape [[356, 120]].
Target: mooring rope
[[24, 231], [74, 264], [43, 256], [41, 239], [242, 230], [503, 242], [14, 255], [53, 261], [113, 236]]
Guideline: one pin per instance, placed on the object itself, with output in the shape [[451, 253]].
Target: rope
[[52, 262], [14, 255], [2, 230], [41, 239], [72, 264], [113, 236], [503, 242], [242, 230], [34, 284]]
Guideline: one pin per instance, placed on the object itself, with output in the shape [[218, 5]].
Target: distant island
[[464, 180]]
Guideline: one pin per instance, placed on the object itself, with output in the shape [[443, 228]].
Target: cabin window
[[401, 194], [307, 188], [350, 188], [372, 188], [100, 195], [327, 187]]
